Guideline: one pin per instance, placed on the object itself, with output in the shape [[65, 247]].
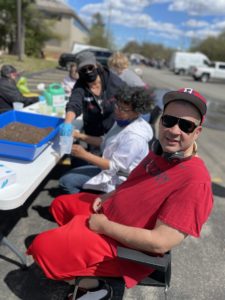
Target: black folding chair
[[155, 113], [159, 278]]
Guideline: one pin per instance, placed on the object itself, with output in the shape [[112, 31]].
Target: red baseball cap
[[189, 95]]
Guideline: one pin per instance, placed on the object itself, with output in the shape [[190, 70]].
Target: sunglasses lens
[[185, 125], [169, 121]]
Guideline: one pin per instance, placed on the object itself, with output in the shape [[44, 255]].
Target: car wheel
[[196, 78], [205, 78]]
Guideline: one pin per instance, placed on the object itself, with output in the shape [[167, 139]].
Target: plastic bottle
[[66, 143], [42, 105], [55, 98], [66, 138]]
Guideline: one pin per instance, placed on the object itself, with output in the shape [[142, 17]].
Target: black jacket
[[97, 118], [9, 93]]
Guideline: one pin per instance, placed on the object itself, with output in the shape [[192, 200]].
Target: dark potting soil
[[24, 133]]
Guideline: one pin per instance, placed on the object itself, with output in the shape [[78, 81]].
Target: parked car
[[216, 70], [66, 59]]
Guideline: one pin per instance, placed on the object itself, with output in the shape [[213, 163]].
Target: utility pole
[[109, 20], [19, 30]]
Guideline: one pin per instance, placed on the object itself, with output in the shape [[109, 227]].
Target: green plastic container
[[54, 95]]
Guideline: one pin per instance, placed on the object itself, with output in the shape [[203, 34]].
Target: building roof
[[57, 6]]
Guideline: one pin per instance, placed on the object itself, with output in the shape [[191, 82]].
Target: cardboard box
[[7, 176]]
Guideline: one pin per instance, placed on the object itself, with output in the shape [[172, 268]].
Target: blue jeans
[[73, 181]]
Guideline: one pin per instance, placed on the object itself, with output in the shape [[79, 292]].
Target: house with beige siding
[[68, 26]]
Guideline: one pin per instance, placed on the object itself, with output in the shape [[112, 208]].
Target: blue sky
[[173, 23]]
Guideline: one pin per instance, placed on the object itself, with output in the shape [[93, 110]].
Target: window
[[206, 62], [222, 67], [212, 65]]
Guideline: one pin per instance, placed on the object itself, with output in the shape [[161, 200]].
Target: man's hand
[[97, 205], [66, 129], [97, 223], [79, 151]]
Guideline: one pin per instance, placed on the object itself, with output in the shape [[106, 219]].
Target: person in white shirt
[[124, 146], [70, 80]]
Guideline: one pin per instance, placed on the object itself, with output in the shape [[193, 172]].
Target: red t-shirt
[[178, 194]]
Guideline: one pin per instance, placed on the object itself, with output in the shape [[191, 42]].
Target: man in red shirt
[[167, 197]]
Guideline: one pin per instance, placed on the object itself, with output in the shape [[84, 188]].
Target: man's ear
[[197, 132]]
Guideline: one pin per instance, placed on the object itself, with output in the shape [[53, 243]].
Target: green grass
[[29, 64]]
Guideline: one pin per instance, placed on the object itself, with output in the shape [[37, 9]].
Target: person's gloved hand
[[66, 129]]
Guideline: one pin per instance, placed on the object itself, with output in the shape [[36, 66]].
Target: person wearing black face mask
[[88, 73], [92, 96]]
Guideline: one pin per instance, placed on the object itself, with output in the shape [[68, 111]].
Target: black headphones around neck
[[175, 157]]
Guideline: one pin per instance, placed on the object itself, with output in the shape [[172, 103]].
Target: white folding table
[[28, 177], [29, 174]]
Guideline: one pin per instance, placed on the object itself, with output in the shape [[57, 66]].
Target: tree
[[7, 24], [213, 47], [37, 28], [155, 51], [222, 35], [98, 35], [132, 47], [38, 31]]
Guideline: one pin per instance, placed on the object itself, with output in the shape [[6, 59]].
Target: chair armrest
[[155, 113], [159, 263]]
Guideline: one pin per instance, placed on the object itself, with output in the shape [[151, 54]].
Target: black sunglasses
[[185, 125], [86, 69]]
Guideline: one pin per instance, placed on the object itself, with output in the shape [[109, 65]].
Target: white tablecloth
[[29, 175]]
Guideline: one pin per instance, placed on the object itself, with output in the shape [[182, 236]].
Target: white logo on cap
[[188, 90]]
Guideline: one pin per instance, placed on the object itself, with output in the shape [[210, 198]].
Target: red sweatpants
[[73, 249]]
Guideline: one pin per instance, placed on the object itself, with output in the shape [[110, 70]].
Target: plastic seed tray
[[26, 151]]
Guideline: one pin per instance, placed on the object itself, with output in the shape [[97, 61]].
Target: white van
[[181, 62]]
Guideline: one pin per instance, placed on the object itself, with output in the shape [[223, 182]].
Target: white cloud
[[106, 5], [220, 25], [126, 18], [164, 35], [195, 23], [201, 34], [132, 14], [122, 5], [199, 7]]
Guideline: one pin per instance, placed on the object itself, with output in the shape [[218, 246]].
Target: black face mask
[[89, 76]]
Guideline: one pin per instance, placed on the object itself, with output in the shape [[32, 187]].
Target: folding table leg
[[4, 241]]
